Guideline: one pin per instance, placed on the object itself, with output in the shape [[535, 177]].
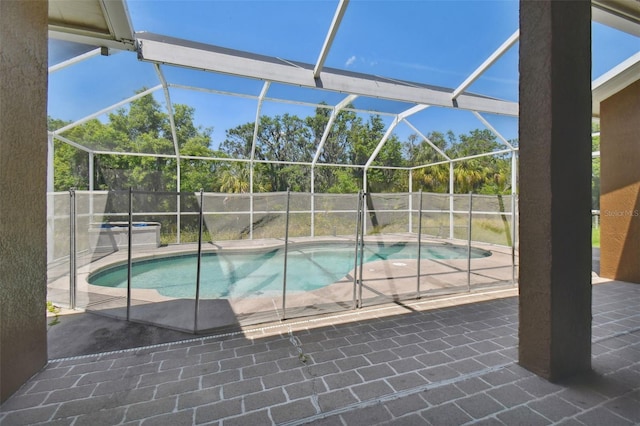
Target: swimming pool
[[243, 274]]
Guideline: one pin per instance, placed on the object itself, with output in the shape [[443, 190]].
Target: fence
[[199, 261]]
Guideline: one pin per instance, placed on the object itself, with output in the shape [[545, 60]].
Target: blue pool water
[[242, 274]]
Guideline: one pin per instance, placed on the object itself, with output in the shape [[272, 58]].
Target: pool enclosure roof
[[235, 61]]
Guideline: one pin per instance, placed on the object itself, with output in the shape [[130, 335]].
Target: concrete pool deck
[[414, 363]]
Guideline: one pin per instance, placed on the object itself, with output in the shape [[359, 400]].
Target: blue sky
[[433, 42]]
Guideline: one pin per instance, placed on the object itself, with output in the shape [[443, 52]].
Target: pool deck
[[448, 361]]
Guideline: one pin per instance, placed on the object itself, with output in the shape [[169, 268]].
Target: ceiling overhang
[[97, 23], [623, 15]]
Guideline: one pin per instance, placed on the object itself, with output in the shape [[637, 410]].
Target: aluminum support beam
[[332, 119], [106, 110], [333, 30], [74, 60], [163, 49], [493, 130], [486, 64], [393, 125]]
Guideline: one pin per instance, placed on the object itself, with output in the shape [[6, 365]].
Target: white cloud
[[350, 61]]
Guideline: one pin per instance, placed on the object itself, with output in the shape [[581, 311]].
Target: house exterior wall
[[620, 185]]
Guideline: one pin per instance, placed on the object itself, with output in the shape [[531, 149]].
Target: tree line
[[144, 127]]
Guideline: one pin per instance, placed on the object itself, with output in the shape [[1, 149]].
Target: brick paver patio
[[404, 364]]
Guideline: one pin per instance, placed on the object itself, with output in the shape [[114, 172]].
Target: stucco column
[[23, 178], [620, 185], [555, 187]]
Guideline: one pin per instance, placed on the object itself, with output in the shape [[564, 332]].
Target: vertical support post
[[555, 238], [50, 163], [73, 270], [251, 200], [514, 218], [451, 203], [91, 186], [362, 231], [51, 221], [357, 246], [469, 241], [364, 205], [410, 203], [419, 245], [286, 250], [313, 202], [199, 265], [129, 253]]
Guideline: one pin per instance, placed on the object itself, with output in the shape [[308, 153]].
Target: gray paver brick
[[442, 394], [90, 367], [357, 349], [447, 414], [200, 369], [439, 373], [282, 378], [170, 354], [405, 365], [102, 417], [317, 370], [408, 351], [374, 372], [242, 387], [158, 378], [206, 347], [64, 395], [509, 395], [233, 363], [366, 416], [407, 404], [28, 417], [522, 416], [553, 408], [372, 390], [351, 363], [259, 370], [295, 410], [434, 358], [89, 405], [198, 398], [17, 401], [625, 407], [151, 408], [472, 385], [220, 378], [330, 355], [379, 345], [406, 381], [334, 343], [218, 410], [306, 388], [179, 387], [52, 384], [264, 399], [480, 405], [342, 380], [180, 418], [602, 416], [381, 356], [337, 399], [256, 418], [466, 366]]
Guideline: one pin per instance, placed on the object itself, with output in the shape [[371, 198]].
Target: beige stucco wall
[[23, 154], [620, 185]]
